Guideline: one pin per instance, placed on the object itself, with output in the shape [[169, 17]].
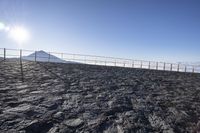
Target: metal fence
[[93, 60]]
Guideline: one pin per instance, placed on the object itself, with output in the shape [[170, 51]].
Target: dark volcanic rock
[[38, 126], [68, 98]]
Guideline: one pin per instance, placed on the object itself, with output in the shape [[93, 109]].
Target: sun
[[19, 34]]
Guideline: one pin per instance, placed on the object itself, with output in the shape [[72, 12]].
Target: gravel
[[78, 98]]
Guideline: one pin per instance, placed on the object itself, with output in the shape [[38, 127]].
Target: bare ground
[[65, 98]]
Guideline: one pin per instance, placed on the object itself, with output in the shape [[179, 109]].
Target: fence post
[[124, 64], [20, 55], [62, 56], [95, 61], [171, 67], [21, 67], [164, 66], [141, 65], [178, 67], [156, 65], [4, 54], [193, 69], [105, 62], [35, 56], [185, 68], [115, 62], [133, 64], [149, 65], [49, 57]]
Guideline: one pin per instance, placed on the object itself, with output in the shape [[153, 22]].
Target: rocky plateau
[[76, 98]]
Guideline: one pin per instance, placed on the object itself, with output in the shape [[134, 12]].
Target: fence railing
[[94, 60]]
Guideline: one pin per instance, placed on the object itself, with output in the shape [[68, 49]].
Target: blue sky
[[157, 30]]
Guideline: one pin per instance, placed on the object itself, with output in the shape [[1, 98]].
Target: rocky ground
[[66, 98]]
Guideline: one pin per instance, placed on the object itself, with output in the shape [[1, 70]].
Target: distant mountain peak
[[41, 51], [43, 56]]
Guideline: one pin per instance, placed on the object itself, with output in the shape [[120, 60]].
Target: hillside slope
[[78, 98]]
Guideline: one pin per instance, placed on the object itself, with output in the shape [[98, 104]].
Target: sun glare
[[2, 26], [19, 34]]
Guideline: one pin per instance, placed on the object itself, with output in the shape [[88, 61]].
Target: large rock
[[74, 123], [19, 109]]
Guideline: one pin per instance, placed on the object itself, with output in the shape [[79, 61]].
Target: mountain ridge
[[44, 57]]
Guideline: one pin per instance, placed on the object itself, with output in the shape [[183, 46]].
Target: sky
[[156, 30]]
